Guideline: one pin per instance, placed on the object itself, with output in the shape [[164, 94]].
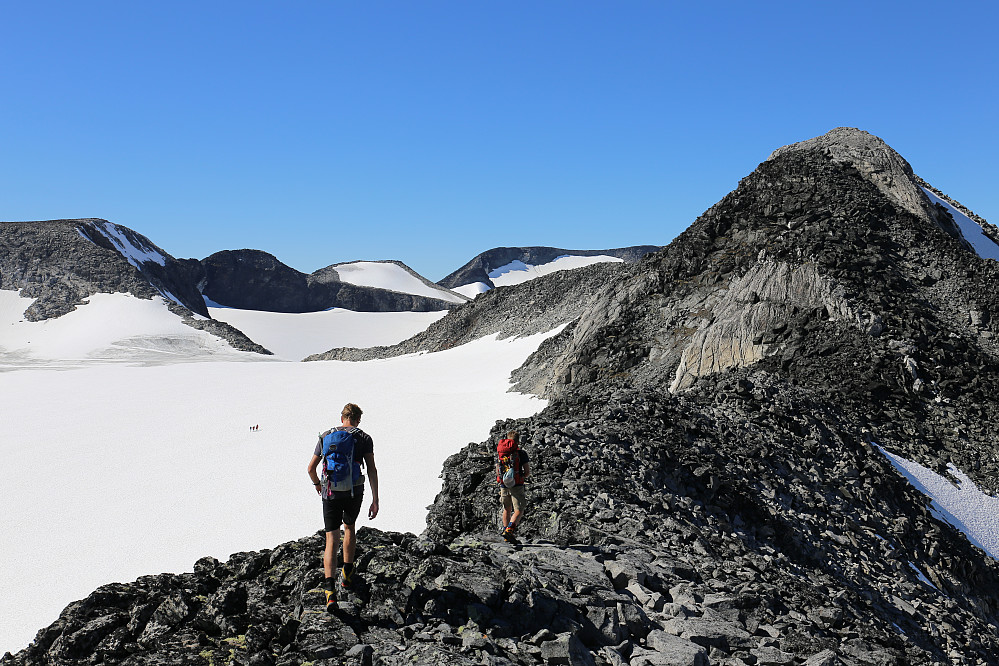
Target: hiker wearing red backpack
[[512, 469], [343, 451]]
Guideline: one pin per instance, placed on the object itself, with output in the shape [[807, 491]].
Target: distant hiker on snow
[[512, 469], [343, 451]]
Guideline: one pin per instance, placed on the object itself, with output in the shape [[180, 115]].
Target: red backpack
[[508, 454]]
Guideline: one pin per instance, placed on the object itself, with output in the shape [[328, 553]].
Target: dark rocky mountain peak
[[62, 262], [880, 165], [256, 280]]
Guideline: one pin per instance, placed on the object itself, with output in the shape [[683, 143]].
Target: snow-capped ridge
[[503, 266], [392, 275], [256, 280], [135, 248]]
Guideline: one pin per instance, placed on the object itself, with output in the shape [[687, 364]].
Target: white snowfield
[[116, 470], [109, 328], [971, 230], [294, 336], [517, 272], [386, 275]]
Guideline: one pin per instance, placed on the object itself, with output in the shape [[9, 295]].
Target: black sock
[[348, 568], [328, 584]]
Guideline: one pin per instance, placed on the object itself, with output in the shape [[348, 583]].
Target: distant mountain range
[[61, 263], [487, 270]]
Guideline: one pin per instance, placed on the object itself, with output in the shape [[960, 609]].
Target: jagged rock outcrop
[[62, 262], [478, 269], [747, 501], [878, 164], [809, 270], [256, 280]]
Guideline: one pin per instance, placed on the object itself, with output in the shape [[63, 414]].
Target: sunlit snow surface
[[517, 272], [114, 470], [295, 336], [963, 505], [390, 276], [110, 328], [134, 255], [971, 230], [472, 290]]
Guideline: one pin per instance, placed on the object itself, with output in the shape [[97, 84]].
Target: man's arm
[[313, 464], [372, 471], [526, 467]]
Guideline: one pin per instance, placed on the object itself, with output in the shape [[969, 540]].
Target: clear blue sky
[[429, 131]]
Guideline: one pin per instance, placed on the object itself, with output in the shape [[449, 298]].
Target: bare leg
[[349, 543], [516, 518], [329, 555]]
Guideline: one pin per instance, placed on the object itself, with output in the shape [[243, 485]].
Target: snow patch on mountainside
[[156, 466], [472, 290], [133, 254], [517, 272], [971, 230], [385, 275], [107, 328], [963, 505], [293, 336]]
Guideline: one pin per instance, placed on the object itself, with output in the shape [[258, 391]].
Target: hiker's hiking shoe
[[330, 601], [346, 578], [509, 534]]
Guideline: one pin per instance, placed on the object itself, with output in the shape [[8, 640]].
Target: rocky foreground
[[651, 541]]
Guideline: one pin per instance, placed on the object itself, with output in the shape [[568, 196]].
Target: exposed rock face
[[255, 280], [706, 482], [62, 262], [747, 317], [807, 270], [478, 269]]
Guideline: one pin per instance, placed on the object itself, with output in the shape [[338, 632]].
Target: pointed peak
[[872, 157], [842, 141]]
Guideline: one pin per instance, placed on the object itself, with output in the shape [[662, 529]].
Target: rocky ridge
[[478, 269], [256, 280], [62, 262], [708, 484], [809, 271]]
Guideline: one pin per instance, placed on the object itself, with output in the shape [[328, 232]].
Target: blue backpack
[[340, 470]]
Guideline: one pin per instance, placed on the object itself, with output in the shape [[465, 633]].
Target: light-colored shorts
[[514, 499]]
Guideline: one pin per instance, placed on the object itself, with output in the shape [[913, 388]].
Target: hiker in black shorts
[[343, 506]]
